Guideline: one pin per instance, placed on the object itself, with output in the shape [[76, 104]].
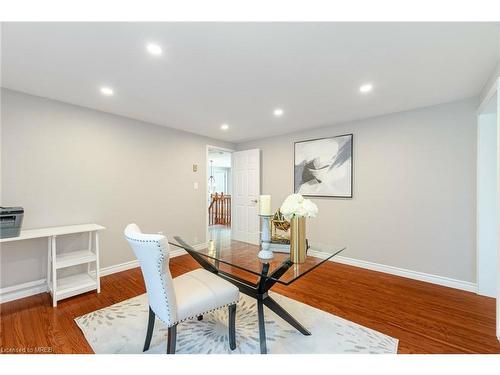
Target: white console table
[[64, 287]]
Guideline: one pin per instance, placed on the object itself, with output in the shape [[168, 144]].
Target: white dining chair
[[185, 297]]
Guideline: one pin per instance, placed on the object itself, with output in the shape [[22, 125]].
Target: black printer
[[11, 219]]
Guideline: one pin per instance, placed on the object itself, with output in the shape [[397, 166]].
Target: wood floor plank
[[426, 318]]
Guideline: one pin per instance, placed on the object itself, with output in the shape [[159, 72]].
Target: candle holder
[[265, 238]]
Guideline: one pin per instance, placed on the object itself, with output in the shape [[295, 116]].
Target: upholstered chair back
[[152, 250]]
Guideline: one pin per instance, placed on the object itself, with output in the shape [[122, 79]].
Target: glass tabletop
[[236, 256]]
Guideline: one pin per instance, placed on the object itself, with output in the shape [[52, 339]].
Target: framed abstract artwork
[[323, 167]]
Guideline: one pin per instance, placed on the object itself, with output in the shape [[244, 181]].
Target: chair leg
[[172, 339], [232, 327], [149, 334]]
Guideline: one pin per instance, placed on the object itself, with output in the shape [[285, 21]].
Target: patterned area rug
[[121, 328]]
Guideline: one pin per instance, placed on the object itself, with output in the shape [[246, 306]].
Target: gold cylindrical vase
[[298, 239]]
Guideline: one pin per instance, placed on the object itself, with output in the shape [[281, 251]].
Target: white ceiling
[[236, 73]]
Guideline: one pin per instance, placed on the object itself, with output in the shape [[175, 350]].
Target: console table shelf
[[75, 258], [68, 286]]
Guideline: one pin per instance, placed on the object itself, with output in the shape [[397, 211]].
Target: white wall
[[222, 180], [414, 189], [414, 183], [491, 82], [66, 165], [486, 209]]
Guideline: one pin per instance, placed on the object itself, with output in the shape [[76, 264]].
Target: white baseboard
[[14, 292], [31, 288], [174, 252], [119, 267], [178, 251], [415, 275], [18, 291]]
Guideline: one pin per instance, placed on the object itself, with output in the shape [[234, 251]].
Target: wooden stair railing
[[219, 211]]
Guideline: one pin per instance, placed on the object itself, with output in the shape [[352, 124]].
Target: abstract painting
[[323, 167]]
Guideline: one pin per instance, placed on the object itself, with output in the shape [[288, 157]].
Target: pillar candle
[[265, 205]]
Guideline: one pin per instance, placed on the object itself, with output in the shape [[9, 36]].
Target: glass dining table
[[236, 260]]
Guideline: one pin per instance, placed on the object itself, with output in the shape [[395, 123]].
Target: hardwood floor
[[425, 318]]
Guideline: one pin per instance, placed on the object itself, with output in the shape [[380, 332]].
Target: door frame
[[492, 91], [207, 175]]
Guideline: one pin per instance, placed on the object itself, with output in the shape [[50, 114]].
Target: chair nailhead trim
[[202, 313], [158, 266], [162, 258]]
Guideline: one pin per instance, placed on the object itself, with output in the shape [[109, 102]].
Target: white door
[[246, 191]]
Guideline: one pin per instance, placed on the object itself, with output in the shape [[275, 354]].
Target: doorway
[[219, 189]]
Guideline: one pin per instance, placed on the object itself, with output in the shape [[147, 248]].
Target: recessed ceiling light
[[107, 91], [278, 112], [154, 49], [224, 127], [366, 88]]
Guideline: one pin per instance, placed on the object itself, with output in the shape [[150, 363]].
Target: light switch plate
[[195, 185]]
